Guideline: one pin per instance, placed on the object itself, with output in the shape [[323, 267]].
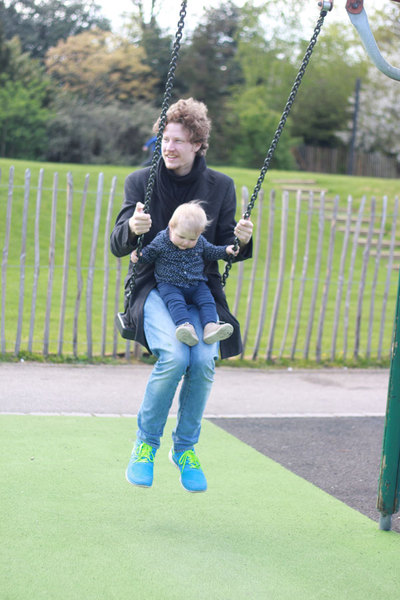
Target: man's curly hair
[[193, 116]]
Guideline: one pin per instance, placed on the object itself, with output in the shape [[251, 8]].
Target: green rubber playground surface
[[73, 528]]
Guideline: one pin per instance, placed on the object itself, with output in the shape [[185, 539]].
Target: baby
[[178, 253]]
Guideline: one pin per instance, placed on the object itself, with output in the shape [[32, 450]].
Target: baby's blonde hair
[[192, 216]]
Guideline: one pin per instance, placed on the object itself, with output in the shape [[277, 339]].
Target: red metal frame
[[354, 6]]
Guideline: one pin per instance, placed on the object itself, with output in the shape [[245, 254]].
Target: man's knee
[[174, 361], [203, 364]]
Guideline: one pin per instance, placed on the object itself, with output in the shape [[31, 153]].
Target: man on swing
[[182, 175]]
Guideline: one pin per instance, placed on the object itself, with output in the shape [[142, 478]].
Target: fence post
[[266, 277], [67, 251], [92, 262], [4, 262], [256, 253], [240, 266], [52, 251], [79, 278], [22, 262], [281, 273], [388, 490], [37, 260]]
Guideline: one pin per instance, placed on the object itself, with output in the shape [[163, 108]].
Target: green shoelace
[[145, 453], [189, 457]]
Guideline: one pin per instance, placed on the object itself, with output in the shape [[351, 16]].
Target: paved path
[[118, 390]]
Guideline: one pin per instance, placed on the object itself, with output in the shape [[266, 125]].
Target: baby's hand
[[231, 250], [134, 257]]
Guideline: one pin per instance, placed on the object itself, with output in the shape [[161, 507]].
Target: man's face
[[177, 151]]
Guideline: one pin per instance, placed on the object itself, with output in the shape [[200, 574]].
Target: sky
[[169, 13]]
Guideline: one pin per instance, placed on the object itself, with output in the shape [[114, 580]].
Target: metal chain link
[[161, 126], [278, 134]]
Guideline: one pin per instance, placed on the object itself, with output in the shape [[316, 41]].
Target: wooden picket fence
[[322, 283], [318, 159]]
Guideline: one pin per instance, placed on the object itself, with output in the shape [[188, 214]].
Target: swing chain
[[278, 134], [161, 126]]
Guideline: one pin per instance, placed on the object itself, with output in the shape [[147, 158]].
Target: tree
[[145, 31], [322, 111], [100, 67], [208, 69], [22, 120], [378, 127], [256, 102], [255, 126], [24, 104], [89, 133], [268, 61], [4, 50], [40, 24]]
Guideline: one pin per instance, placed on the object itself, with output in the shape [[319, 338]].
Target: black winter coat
[[217, 192]]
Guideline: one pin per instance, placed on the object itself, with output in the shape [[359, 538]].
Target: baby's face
[[182, 238]]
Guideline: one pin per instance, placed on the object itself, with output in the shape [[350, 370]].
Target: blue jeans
[[177, 299], [175, 360]]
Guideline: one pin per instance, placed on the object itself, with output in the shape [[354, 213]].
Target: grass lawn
[[332, 186]]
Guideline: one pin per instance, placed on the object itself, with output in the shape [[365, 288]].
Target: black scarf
[[171, 190]]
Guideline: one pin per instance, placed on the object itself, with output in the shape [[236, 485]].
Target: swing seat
[[126, 332]]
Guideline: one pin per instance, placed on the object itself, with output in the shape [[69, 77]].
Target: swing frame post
[[358, 17], [389, 479]]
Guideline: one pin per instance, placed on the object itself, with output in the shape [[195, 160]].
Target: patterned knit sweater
[[182, 268]]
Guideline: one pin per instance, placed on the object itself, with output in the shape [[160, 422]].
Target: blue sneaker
[[141, 465], [192, 476]]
